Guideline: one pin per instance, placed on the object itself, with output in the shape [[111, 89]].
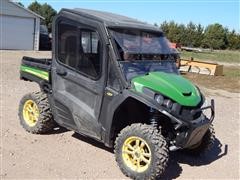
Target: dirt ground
[[64, 154], [230, 81]]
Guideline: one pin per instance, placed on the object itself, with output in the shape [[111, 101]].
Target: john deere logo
[[109, 94]]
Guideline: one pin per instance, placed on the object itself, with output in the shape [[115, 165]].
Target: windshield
[[142, 52], [134, 44], [136, 68]]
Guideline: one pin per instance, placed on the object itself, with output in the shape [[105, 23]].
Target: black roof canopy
[[111, 19]]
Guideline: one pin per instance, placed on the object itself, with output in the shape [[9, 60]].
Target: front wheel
[[205, 144], [141, 152]]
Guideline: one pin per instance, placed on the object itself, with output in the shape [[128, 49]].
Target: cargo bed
[[37, 70]]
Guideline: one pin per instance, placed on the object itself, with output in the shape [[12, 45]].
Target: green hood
[[173, 86]]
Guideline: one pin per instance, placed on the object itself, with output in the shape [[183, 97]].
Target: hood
[[170, 85]]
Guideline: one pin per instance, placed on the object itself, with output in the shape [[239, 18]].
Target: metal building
[[19, 27]]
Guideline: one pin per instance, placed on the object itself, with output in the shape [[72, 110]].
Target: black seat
[[70, 49], [85, 63]]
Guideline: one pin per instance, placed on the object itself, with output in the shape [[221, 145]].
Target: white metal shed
[[19, 27]]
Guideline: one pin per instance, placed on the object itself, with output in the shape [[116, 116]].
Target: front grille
[[186, 114]]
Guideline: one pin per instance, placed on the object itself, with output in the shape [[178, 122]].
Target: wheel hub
[[136, 154], [30, 113]]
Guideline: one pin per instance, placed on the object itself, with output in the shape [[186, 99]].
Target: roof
[[111, 19], [29, 11]]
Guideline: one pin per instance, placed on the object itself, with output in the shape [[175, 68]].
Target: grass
[[220, 56], [229, 82]]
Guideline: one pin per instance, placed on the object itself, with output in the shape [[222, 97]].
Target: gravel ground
[[64, 154]]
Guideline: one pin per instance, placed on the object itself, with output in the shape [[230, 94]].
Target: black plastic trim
[[44, 85]]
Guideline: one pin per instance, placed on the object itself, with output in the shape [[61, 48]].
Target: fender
[[111, 103]]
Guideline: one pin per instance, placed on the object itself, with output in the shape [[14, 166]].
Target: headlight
[[159, 98], [168, 103], [163, 101]]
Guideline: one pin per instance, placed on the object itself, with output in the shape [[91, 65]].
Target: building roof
[[111, 19], [29, 11]]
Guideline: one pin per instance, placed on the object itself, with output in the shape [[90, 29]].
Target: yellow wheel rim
[[30, 113], [136, 154]]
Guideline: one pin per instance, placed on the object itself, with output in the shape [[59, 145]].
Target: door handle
[[61, 72]]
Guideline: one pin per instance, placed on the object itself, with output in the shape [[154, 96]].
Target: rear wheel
[[141, 152], [35, 113]]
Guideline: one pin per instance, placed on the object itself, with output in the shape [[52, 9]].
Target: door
[[16, 32], [77, 77]]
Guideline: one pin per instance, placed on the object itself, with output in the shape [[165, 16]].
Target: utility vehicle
[[115, 79]]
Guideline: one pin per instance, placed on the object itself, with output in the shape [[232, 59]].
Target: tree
[[35, 7], [181, 34], [233, 40], [48, 13], [215, 37], [45, 11], [164, 27], [19, 3], [190, 34], [193, 35], [199, 35], [172, 31]]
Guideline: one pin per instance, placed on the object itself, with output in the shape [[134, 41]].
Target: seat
[[85, 63], [71, 51]]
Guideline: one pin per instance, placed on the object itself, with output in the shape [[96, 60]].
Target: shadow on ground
[[93, 142], [174, 168], [176, 158], [57, 130]]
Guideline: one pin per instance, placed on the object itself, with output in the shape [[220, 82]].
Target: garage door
[[16, 33]]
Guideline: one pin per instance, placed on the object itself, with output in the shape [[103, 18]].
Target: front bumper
[[189, 133]]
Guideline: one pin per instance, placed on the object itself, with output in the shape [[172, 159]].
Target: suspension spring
[[153, 114]]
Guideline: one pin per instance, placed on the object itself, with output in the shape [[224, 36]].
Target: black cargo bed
[[43, 64]]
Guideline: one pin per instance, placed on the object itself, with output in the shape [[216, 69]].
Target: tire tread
[[160, 150], [45, 122]]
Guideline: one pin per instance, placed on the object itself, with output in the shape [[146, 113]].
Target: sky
[[205, 12]]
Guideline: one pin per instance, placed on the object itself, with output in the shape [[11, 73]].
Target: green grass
[[232, 72], [225, 56], [230, 81]]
